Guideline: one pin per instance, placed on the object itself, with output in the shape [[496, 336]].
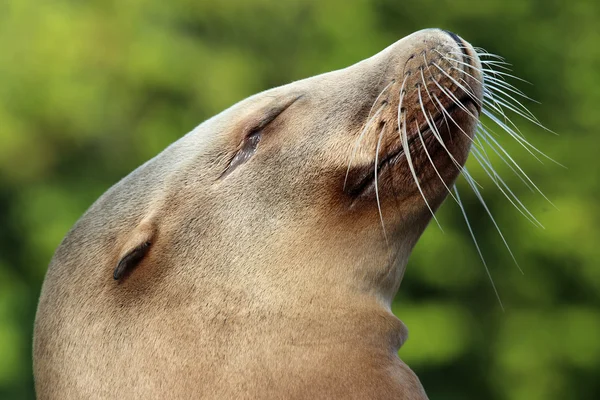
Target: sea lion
[[257, 256]]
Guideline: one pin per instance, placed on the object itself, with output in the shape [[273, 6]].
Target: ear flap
[[135, 249]]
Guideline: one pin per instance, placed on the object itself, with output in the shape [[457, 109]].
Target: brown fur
[[267, 280]]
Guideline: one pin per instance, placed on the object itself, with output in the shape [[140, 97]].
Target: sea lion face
[[323, 161]]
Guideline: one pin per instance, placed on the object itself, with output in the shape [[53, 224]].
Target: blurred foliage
[[90, 90]]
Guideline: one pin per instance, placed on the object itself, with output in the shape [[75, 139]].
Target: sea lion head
[[287, 218], [338, 172], [324, 182]]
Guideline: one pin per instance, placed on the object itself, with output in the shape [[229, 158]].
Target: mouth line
[[367, 180]]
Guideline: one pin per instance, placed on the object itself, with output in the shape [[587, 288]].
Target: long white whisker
[[456, 101], [499, 99], [464, 89], [495, 177], [480, 197], [498, 64], [404, 138], [494, 141], [377, 186], [452, 119], [405, 146], [481, 52], [482, 134], [515, 135], [492, 102], [460, 167], [433, 130], [519, 138], [401, 95], [359, 140], [379, 96], [504, 74], [523, 112], [487, 270], [492, 81], [494, 90], [367, 126], [440, 110]]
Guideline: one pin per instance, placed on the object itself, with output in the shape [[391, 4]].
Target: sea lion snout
[[419, 129]]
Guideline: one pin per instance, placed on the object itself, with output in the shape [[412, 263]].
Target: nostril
[[460, 43], [456, 38]]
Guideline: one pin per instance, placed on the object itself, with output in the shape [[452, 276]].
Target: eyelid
[[252, 137], [270, 116]]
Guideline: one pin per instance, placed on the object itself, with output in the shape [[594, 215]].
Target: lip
[[365, 178]]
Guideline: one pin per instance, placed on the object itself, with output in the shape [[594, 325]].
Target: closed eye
[[249, 144]]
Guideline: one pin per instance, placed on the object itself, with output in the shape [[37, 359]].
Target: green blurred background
[[90, 90]]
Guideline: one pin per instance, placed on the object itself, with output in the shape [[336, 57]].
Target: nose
[[456, 38], [441, 71], [461, 43]]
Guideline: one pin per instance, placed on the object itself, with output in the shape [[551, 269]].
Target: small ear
[[136, 247]]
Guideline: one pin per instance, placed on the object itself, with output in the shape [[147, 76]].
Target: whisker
[[376, 185], [499, 98], [481, 52], [505, 74], [429, 94], [483, 203], [463, 132], [432, 126], [498, 64], [499, 147], [404, 139], [497, 108], [436, 133], [498, 92], [530, 117], [359, 140], [452, 119], [524, 143], [514, 134], [467, 91], [457, 102], [379, 96], [499, 182], [487, 269], [483, 135], [367, 126], [401, 97], [493, 81], [433, 130], [492, 102]]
